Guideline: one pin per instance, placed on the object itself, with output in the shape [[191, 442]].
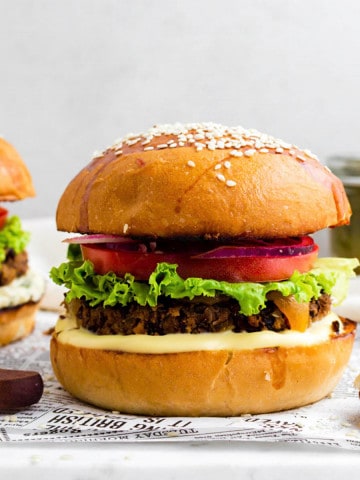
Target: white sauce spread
[[27, 288], [318, 332]]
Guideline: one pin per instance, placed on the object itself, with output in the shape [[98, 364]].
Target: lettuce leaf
[[13, 236], [330, 275]]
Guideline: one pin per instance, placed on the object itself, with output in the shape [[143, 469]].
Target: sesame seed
[[199, 136], [98, 154], [128, 136], [227, 164], [148, 148], [161, 145], [279, 150], [132, 142], [264, 150], [191, 163], [250, 152], [217, 166], [126, 228], [310, 154], [230, 183], [173, 145], [236, 153], [220, 177]]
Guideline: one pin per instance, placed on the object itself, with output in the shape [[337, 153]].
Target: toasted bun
[[211, 180], [16, 182], [18, 322], [203, 383]]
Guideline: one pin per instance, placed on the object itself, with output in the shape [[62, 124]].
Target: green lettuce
[[13, 236], [329, 275]]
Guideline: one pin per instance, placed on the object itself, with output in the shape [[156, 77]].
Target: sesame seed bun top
[[203, 179]]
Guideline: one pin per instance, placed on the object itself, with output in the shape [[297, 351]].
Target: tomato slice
[[122, 259], [3, 216]]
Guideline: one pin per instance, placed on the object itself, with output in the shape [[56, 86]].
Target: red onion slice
[[286, 247], [277, 248], [98, 238]]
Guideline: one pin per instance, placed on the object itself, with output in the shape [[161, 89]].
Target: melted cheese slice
[[68, 333]]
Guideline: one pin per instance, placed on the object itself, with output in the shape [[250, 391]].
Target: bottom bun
[[17, 322], [203, 383]]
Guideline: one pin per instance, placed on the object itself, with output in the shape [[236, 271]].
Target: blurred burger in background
[[195, 287], [21, 289]]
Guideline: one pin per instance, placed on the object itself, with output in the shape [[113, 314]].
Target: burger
[[21, 288], [193, 286]]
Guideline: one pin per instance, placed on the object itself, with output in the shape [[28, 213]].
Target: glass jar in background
[[345, 241]]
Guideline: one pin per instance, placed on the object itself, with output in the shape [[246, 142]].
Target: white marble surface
[[177, 462]]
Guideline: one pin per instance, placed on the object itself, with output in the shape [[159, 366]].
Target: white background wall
[[77, 74]]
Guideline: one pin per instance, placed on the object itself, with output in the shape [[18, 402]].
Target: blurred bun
[[203, 383], [253, 185], [17, 322], [16, 182]]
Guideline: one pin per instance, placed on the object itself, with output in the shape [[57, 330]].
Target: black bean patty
[[202, 314], [13, 266]]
